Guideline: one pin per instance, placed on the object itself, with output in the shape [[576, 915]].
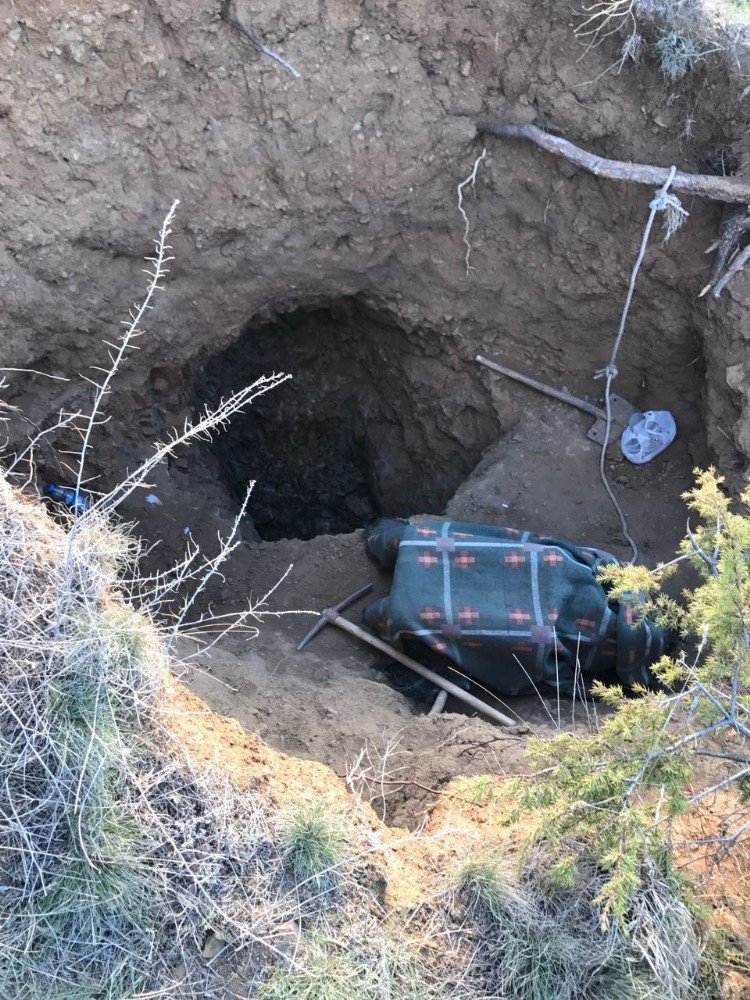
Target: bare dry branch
[[727, 189]]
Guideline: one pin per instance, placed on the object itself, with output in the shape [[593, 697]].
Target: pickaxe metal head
[[332, 613]]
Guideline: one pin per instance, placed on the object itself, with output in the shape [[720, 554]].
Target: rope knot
[[670, 204], [610, 372]]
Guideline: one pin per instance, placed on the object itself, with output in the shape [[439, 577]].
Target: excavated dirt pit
[[384, 415], [391, 415], [319, 233], [381, 418]]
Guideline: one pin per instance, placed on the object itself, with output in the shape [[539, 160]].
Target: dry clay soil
[[319, 233]]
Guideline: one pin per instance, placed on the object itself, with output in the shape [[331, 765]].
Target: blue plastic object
[[647, 435], [76, 501]]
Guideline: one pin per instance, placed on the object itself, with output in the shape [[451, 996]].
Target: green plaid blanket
[[511, 609]]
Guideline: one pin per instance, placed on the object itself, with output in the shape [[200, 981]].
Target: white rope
[[676, 215]]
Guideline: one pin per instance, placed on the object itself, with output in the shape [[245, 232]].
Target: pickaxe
[[333, 616]]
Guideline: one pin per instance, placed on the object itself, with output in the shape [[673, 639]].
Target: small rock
[[212, 946]]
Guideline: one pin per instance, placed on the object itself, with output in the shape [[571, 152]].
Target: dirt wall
[[300, 192]]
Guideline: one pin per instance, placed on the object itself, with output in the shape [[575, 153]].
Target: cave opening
[[380, 418]]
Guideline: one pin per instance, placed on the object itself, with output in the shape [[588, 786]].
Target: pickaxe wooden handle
[[331, 616], [561, 394]]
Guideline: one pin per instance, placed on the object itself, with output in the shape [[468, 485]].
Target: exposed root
[[471, 179], [728, 262]]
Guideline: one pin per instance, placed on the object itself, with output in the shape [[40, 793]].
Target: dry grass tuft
[[541, 935], [116, 859]]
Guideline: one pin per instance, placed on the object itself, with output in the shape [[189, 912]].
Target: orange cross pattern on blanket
[[517, 616], [468, 614], [586, 624], [430, 615], [512, 609]]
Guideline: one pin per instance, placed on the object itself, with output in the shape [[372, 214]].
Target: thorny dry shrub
[[116, 859], [120, 866]]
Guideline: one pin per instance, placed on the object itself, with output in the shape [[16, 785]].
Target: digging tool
[[620, 409], [332, 616]]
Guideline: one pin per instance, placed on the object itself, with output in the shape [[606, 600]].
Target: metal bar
[[319, 624], [362, 592], [560, 394]]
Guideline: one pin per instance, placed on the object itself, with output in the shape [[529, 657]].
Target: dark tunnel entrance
[[378, 420]]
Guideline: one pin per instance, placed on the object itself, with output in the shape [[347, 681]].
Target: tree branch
[[728, 189]]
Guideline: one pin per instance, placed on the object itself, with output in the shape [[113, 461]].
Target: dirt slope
[[462, 822]]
